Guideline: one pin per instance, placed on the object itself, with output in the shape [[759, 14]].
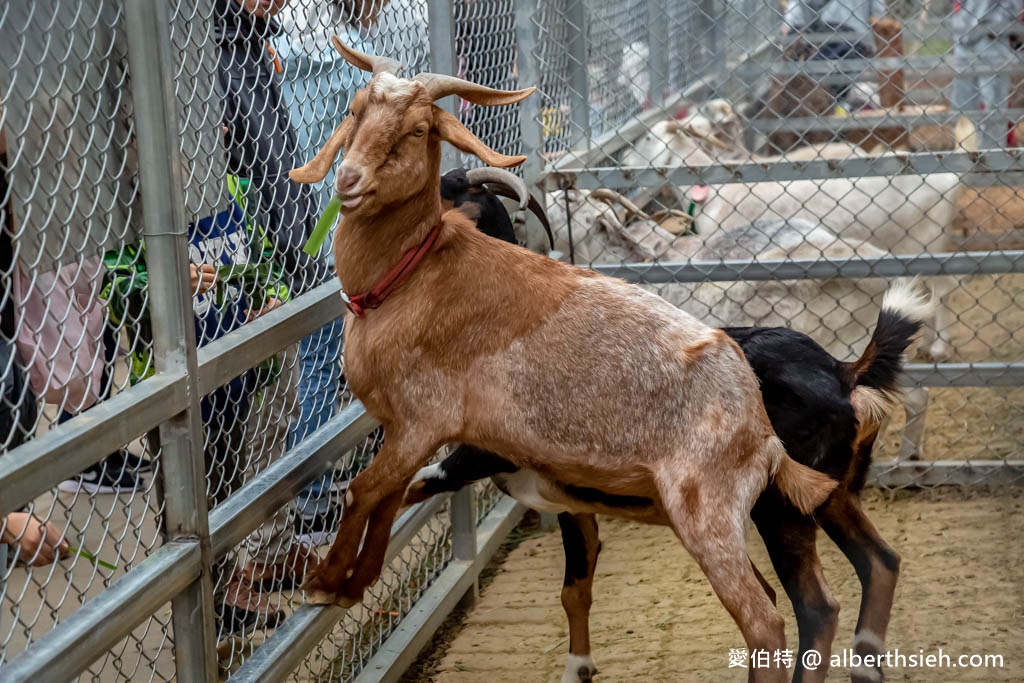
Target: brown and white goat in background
[[592, 381]]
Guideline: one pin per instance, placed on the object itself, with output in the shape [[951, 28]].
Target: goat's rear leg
[[877, 566], [710, 520], [790, 540], [581, 544], [373, 497]]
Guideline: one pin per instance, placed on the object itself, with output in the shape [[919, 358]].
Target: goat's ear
[[320, 165], [450, 129]]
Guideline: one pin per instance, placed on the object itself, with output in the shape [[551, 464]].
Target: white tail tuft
[[906, 298]]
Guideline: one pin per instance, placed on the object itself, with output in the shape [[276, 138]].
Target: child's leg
[[319, 389]]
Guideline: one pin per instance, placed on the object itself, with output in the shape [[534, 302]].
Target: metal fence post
[[463, 516], [579, 83], [174, 344], [657, 42], [443, 61], [530, 108]]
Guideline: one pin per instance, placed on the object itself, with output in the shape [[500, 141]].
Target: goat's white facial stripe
[[349, 498], [387, 85]]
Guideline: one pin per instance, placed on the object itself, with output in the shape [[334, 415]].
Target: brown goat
[[590, 380]]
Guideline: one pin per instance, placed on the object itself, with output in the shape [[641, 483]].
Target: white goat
[[904, 214]]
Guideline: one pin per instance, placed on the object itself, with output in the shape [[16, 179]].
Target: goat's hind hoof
[[582, 670]]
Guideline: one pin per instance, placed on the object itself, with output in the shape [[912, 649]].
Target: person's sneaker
[[245, 609], [283, 575], [111, 475]]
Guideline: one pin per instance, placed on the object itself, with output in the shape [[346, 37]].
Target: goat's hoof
[[579, 669], [938, 351], [317, 596], [866, 674], [346, 601]]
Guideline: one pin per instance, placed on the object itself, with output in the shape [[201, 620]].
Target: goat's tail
[[874, 376], [804, 487]]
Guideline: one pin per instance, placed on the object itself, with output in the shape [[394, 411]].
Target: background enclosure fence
[[774, 182]]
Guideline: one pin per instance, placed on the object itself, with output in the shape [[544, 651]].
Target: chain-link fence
[[177, 434], [174, 416], [759, 162]]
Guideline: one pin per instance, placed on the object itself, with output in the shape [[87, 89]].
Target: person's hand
[[784, 31], [203, 278], [262, 8], [270, 305], [40, 543]]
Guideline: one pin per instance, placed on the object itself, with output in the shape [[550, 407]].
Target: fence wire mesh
[[783, 140], [731, 135]]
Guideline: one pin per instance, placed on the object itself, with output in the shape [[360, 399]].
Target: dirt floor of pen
[[655, 618]]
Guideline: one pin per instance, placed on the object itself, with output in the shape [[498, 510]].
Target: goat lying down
[[826, 412], [900, 214], [456, 337]]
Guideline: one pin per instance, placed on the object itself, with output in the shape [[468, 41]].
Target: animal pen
[[664, 157]]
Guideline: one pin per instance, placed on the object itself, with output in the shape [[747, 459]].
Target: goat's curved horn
[[689, 129], [440, 85], [478, 176], [360, 60], [608, 196]]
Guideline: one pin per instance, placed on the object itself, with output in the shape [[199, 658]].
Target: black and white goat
[[828, 414]]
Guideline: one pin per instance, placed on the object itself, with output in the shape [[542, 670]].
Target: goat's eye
[[420, 131]]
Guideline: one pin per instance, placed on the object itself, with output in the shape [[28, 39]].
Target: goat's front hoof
[[346, 601], [317, 590], [316, 596]]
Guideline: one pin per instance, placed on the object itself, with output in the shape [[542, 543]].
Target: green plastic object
[[92, 558], [323, 226]]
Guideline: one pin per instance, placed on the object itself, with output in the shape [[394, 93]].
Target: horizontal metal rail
[[38, 465], [924, 473], [896, 265], [873, 66], [228, 357], [291, 642], [259, 498], [626, 177], [98, 625], [987, 374], [859, 122]]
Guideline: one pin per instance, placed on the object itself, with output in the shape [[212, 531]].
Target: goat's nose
[[347, 178]]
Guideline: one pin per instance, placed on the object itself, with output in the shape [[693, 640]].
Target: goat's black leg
[[790, 540], [877, 567], [581, 543], [465, 465]]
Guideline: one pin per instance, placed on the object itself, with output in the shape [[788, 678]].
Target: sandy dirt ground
[[655, 618]]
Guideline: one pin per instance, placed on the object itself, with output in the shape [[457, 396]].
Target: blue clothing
[[221, 240]]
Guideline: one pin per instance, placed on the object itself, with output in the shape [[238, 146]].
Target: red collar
[[360, 303]]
